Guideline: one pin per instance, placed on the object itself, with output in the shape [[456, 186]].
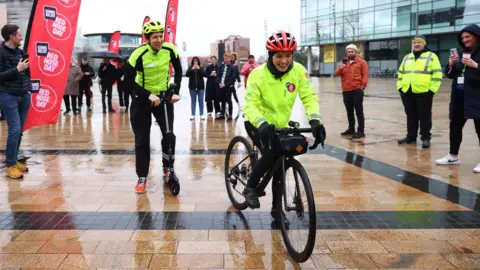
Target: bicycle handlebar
[[295, 128]]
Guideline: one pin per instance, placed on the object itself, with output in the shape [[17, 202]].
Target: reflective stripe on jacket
[[423, 75]]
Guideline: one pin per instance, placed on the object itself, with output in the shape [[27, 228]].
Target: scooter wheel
[[175, 188]]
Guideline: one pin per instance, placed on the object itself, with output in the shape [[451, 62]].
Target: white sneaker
[[202, 117], [448, 160], [192, 117], [477, 168]]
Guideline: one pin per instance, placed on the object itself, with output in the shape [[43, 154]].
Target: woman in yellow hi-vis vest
[[419, 78]]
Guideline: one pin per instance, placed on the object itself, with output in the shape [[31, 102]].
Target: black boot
[[426, 144], [348, 132], [407, 140], [251, 197]]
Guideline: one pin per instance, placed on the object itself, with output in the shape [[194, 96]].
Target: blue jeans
[[15, 109], [197, 95]]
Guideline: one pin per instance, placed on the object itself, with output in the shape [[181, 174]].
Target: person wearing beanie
[[419, 78], [353, 70], [463, 69]]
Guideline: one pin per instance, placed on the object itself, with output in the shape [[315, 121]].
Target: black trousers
[[211, 100], [353, 101], [67, 98], [267, 161], [121, 97], [457, 122], [224, 96], [107, 91], [141, 120], [418, 107], [126, 97], [84, 90]]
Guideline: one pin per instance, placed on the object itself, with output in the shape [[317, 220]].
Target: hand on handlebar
[[318, 131]]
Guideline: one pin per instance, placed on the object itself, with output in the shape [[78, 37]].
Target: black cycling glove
[[318, 131], [266, 132]]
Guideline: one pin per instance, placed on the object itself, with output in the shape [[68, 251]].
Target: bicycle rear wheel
[[239, 161], [296, 208]]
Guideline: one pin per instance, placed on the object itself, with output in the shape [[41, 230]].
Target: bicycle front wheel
[[296, 204]]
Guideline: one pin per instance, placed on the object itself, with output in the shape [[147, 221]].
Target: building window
[[383, 50]]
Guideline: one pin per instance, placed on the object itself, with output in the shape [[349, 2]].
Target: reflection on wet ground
[[379, 205]]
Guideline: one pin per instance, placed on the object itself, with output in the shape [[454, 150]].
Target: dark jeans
[[15, 109], [141, 120], [457, 122], [84, 90], [267, 161], [353, 100], [126, 97], [107, 90], [66, 99], [418, 107]]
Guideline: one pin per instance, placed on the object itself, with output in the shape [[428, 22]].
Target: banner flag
[[49, 43]]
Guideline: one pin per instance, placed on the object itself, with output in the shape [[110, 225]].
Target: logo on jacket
[[290, 87], [307, 75]]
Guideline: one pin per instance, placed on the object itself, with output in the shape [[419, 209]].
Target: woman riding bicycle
[[269, 98]]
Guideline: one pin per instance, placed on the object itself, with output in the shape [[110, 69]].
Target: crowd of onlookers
[[419, 78]]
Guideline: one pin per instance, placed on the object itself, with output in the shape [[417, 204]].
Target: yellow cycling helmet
[[153, 27]]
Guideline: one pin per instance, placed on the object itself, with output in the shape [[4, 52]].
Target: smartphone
[[344, 61], [454, 52], [24, 57]]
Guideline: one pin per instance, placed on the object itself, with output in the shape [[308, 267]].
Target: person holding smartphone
[[15, 87], [465, 97], [354, 72]]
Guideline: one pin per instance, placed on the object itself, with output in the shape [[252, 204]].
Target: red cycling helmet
[[281, 42]]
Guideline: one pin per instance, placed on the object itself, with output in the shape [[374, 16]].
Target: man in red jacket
[[354, 72]]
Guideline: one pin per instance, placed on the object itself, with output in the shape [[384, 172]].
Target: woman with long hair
[[196, 84]]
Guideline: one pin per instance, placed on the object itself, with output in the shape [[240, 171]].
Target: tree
[[351, 25]]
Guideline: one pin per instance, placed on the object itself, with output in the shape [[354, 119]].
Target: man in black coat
[[108, 76], [225, 86], [85, 84], [15, 87], [210, 95]]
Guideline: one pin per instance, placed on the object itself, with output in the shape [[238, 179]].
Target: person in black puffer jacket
[[464, 71], [196, 84], [15, 87]]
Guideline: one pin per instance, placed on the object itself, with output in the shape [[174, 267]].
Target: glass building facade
[[382, 29]]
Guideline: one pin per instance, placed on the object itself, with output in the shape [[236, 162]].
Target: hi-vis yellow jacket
[[271, 100], [423, 75]]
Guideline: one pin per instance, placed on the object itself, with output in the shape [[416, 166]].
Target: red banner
[[114, 42], [145, 20], [49, 43], [171, 21], [170, 34]]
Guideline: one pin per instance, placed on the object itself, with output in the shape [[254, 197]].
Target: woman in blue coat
[[465, 97]]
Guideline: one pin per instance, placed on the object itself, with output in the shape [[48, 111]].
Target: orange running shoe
[[141, 186]]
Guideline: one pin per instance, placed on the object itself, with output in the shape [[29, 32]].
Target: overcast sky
[[200, 22]]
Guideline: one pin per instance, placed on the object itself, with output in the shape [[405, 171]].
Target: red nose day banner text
[[145, 20], [49, 43], [171, 23]]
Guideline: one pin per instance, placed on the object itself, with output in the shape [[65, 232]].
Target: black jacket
[[230, 76], [109, 76], [11, 80], [196, 81], [471, 85], [87, 80]]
